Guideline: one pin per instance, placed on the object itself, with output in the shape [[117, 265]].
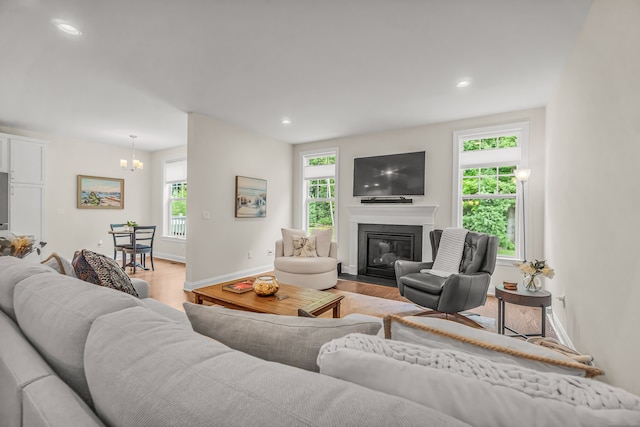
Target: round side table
[[525, 298]]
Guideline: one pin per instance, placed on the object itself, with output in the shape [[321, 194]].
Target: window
[[487, 195], [175, 180], [319, 187]]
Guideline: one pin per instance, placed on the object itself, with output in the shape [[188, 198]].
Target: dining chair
[[120, 241], [141, 244]]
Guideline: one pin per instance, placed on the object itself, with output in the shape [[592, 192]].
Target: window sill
[[507, 262], [174, 239]]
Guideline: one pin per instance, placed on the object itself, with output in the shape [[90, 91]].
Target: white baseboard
[[350, 269], [563, 337], [160, 255], [189, 286], [170, 257]]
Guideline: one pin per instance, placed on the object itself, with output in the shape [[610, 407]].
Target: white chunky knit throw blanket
[[571, 390]]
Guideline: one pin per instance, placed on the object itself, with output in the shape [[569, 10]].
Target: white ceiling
[[334, 67]]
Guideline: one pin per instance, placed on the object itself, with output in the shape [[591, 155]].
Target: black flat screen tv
[[390, 175]]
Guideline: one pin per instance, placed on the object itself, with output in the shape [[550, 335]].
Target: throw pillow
[[59, 264], [304, 246], [287, 239], [323, 240], [443, 334], [476, 390], [290, 340], [103, 271]]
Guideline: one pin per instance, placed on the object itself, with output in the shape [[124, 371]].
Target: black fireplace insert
[[380, 245]]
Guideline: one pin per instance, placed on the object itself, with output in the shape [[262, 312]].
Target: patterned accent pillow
[[287, 239], [103, 271], [304, 246]]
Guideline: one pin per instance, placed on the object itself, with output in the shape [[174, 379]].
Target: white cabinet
[[24, 158], [4, 154], [26, 205], [27, 161]]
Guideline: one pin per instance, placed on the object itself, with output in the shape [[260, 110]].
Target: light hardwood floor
[[166, 284]]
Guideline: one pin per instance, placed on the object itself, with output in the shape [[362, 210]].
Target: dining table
[[134, 262]]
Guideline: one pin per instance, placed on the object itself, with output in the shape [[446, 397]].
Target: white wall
[[437, 141], [164, 247], [592, 197], [67, 228], [217, 248]]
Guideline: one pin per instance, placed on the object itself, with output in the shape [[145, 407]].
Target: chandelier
[[135, 164]]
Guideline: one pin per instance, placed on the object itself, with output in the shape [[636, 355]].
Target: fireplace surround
[[419, 215]]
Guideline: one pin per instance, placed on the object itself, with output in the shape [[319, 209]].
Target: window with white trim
[[175, 183], [319, 190], [486, 193]]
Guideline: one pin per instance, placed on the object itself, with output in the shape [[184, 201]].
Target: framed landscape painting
[[251, 197], [96, 192]]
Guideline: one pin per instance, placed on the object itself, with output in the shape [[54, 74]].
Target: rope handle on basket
[[590, 371]]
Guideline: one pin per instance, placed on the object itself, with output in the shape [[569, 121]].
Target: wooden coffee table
[[286, 302]]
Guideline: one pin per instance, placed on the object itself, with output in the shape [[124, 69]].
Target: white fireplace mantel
[[400, 214]]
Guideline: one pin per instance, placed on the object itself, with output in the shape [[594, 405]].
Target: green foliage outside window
[[325, 160], [321, 213], [179, 191], [489, 181], [489, 195], [491, 143], [492, 216], [321, 188], [321, 196], [179, 208]]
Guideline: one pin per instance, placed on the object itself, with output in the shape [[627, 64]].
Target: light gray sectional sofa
[[76, 354]]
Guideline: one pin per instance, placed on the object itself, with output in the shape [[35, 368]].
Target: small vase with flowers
[[533, 269]]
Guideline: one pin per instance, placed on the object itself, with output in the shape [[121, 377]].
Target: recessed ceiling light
[[464, 83], [66, 28], [286, 121], [69, 29]]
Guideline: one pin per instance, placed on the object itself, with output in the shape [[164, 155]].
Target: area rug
[[376, 300], [380, 307]]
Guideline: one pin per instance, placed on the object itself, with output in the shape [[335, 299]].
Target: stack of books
[[239, 287]]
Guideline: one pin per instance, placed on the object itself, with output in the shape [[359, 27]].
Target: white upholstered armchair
[[319, 272]]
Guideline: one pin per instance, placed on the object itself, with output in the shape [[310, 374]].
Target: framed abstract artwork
[[251, 197], [96, 192]]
